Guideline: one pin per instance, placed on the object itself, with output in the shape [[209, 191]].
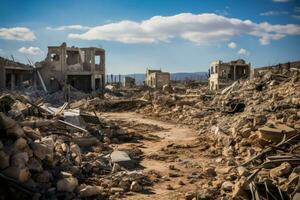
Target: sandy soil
[[185, 156]]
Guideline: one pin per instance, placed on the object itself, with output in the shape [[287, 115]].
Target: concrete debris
[[247, 147], [32, 152], [122, 159]]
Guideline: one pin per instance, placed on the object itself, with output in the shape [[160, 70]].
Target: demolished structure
[[14, 74], [129, 82], [223, 74], [157, 78], [82, 68]]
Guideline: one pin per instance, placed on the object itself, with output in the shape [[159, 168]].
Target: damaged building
[[223, 74], [82, 68], [129, 82], [157, 78], [15, 75]]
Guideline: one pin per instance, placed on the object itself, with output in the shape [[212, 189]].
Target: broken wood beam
[[73, 126]]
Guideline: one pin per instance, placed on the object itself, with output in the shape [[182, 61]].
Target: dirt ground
[[170, 155]]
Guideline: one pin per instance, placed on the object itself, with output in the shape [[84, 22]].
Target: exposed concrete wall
[[63, 61], [157, 78], [13, 74], [223, 74], [162, 79], [81, 82]]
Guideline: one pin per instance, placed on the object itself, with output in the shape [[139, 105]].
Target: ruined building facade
[[157, 78], [82, 68], [13, 75], [223, 74]]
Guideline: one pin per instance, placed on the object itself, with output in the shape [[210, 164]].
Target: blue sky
[[175, 35]]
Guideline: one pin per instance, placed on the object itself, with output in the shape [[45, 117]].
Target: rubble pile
[[253, 131], [56, 153]]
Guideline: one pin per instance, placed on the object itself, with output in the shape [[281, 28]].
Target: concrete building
[[13, 74], [223, 74], [82, 68], [157, 78]]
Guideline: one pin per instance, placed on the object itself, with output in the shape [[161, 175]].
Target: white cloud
[[31, 50], [232, 45], [200, 29], [271, 12], [281, 1], [17, 33], [243, 52], [69, 27]]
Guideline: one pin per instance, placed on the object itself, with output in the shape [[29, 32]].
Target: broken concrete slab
[[274, 134], [73, 117], [122, 158]]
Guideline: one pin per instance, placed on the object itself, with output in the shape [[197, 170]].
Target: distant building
[[157, 78], [129, 82], [14, 74], [83, 68], [223, 74]]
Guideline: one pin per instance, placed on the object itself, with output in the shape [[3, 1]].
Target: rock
[[223, 170], [136, 187], [242, 171], [210, 171], [122, 158], [67, 184], [19, 160], [174, 174], [125, 184], [284, 169], [260, 120], [116, 190], [90, 190], [227, 186], [6, 122], [21, 175], [43, 177], [4, 160], [42, 151], [15, 131], [20, 143], [64, 147], [74, 148], [239, 187], [31, 133], [189, 195], [34, 165], [245, 132]]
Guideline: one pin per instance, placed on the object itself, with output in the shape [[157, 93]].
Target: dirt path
[[171, 134]]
